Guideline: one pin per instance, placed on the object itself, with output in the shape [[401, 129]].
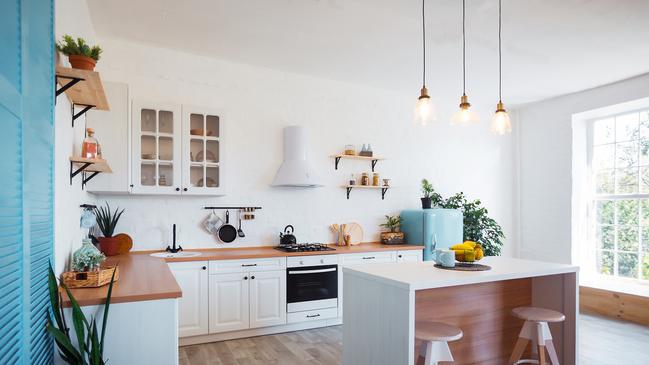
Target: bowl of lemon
[[468, 252]]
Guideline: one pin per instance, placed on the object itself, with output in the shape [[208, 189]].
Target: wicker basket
[[90, 279]]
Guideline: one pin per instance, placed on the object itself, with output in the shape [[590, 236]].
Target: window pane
[[645, 239], [643, 146], [644, 179], [644, 212], [606, 237], [626, 154], [627, 265], [627, 239], [605, 262], [604, 131], [627, 127], [606, 212], [627, 212], [604, 157], [645, 267], [627, 180], [644, 124], [605, 182]]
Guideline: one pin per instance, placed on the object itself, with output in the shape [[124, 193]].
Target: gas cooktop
[[305, 247]]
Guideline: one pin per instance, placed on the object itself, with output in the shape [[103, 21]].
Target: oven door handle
[[311, 271]]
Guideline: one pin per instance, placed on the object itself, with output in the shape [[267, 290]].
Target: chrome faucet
[[174, 249]]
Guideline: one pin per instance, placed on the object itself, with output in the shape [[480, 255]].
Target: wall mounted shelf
[[383, 189], [83, 88], [84, 165], [372, 159]]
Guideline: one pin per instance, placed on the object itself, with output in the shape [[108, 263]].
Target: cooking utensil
[[287, 238], [355, 231], [212, 223], [240, 231], [124, 243], [227, 232]]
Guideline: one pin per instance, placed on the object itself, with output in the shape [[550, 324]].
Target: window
[[619, 219]]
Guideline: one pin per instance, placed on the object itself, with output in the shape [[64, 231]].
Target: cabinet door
[[202, 141], [156, 148], [267, 298], [409, 256], [112, 130], [192, 306], [229, 302]]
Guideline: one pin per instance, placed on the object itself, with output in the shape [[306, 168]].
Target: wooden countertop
[[270, 251], [142, 277]]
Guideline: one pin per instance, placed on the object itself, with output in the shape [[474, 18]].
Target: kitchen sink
[[168, 255]]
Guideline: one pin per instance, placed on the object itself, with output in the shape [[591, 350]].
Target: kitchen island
[[383, 301]]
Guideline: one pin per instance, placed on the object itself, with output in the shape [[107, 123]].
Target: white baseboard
[[195, 340]]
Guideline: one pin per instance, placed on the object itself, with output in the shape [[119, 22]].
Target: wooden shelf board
[[90, 91], [98, 164], [356, 157], [366, 187]]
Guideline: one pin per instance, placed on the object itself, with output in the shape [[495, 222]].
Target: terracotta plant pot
[[392, 238], [109, 245], [82, 62]]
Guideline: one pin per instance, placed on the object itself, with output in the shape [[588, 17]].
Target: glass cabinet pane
[[196, 125], [212, 125], [166, 124], [147, 174], [196, 176], [148, 120], [148, 147], [165, 148], [212, 179], [166, 174], [212, 154]]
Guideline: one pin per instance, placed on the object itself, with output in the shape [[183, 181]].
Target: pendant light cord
[[463, 47], [500, 52], [423, 32]]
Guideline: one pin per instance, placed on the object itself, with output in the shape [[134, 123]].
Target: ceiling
[[550, 47]]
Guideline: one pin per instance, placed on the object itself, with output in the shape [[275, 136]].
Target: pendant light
[[464, 116], [424, 109], [500, 124]]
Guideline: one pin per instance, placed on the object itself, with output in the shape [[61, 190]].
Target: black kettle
[[287, 238]]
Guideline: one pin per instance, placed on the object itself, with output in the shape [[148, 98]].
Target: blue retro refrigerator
[[433, 228]]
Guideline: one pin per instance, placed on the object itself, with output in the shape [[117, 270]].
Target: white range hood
[[296, 171]]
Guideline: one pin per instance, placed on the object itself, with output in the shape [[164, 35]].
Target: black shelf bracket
[[225, 208], [76, 172], [337, 158], [349, 190], [374, 164], [383, 191], [72, 82], [88, 178], [80, 113]]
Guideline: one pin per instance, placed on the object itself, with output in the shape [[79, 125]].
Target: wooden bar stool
[[536, 330], [436, 337]]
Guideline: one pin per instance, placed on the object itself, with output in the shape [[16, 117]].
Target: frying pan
[[227, 232]]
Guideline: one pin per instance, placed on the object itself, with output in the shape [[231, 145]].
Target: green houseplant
[[80, 54], [430, 196], [393, 236], [107, 220], [87, 348]]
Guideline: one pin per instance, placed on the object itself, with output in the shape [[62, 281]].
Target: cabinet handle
[[369, 258], [177, 189], [252, 277], [204, 267], [400, 256], [312, 315], [184, 189], [245, 278], [131, 185], [247, 265]]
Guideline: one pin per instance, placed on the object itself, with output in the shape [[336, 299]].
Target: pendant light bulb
[[465, 116], [424, 109], [500, 123]]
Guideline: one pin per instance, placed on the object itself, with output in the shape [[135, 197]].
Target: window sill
[[614, 284]]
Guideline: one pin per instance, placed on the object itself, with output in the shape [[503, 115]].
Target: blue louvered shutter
[[26, 197]]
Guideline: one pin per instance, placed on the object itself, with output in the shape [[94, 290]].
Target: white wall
[[545, 139], [258, 103], [72, 18]]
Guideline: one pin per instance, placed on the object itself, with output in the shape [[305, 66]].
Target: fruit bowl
[[468, 252]]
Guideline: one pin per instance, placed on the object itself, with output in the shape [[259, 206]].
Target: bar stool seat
[[536, 330], [435, 336]]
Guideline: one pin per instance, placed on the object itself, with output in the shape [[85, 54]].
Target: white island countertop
[[423, 275]]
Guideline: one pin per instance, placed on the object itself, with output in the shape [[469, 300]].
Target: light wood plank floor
[[602, 342]]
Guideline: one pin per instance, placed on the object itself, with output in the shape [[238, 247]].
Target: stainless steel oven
[[311, 287]]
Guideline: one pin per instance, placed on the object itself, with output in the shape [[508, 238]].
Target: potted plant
[[87, 347], [428, 191], [107, 221], [393, 236], [79, 53]]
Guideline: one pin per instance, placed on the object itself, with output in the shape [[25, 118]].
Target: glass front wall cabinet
[[202, 137]]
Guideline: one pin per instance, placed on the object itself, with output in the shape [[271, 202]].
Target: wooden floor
[[602, 342]]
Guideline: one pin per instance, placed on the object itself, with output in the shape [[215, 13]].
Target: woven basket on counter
[[90, 279]]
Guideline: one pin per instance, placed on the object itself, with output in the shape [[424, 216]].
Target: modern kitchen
[[325, 182]]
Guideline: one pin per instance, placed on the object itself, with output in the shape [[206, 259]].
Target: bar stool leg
[[433, 352], [519, 348], [549, 345], [540, 342]]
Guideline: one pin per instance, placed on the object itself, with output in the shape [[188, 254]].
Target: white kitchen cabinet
[[410, 256], [156, 148], [368, 258], [267, 298], [111, 129], [229, 302], [192, 278], [202, 148]]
